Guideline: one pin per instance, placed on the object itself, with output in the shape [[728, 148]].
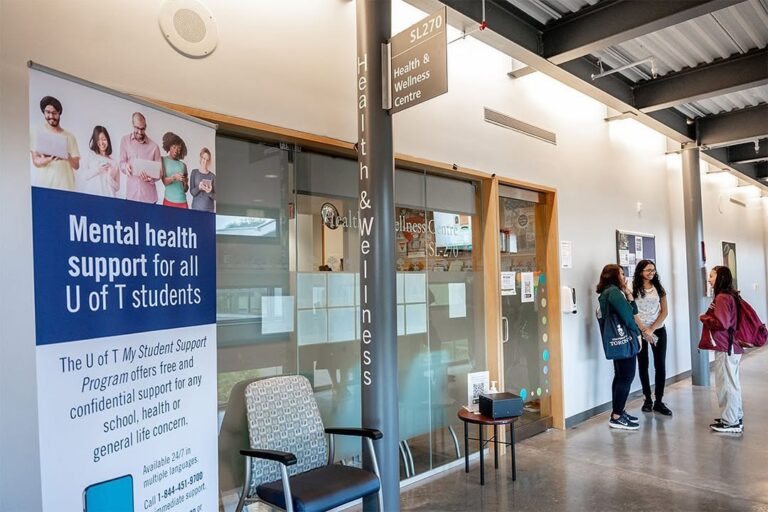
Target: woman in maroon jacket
[[717, 334]]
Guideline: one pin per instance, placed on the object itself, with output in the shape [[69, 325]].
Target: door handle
[[504, 329]]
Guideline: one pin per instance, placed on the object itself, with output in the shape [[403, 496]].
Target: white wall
[[291, 64]]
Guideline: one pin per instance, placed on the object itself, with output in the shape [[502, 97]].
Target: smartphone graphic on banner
[[114, 495]]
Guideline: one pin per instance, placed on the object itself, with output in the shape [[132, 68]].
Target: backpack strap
[[732, 329]]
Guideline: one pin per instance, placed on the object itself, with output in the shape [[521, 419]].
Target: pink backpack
[[750, 331]]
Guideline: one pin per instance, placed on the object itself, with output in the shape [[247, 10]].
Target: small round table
[[482, 421]]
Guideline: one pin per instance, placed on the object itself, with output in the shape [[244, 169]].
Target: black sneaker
[[647, 405], [660, 408], [726, 428], [622, 422], [629, 416]]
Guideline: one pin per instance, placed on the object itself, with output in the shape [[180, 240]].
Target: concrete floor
[[670, 464]]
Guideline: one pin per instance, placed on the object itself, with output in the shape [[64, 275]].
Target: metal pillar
[[695, 260], [378, 327]]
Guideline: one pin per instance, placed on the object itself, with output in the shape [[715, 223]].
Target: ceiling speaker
[[189, 27]]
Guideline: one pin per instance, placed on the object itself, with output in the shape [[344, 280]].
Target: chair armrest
[[285, 458], [370, 433]]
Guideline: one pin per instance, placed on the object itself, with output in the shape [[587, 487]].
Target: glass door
[[524, 293]]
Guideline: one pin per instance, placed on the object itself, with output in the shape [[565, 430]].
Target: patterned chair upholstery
[[288, 464]]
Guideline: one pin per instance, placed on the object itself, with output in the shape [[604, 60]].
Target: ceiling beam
[[723, 77], [731, 127], [611, 22], [499, 19], [746, 154]]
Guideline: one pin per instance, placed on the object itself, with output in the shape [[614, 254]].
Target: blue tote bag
[[618, 341]]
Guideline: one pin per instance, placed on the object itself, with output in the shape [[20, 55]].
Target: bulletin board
[[632, 247]]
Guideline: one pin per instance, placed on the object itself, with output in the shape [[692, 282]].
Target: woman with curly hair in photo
[[174, 171]]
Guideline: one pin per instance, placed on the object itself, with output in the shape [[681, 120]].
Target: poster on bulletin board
[[633, 247]]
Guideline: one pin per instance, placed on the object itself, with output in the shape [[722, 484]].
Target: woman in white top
[[651, 300], [100, 176]]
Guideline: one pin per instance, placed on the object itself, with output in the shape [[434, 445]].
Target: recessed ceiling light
[[271, 176]]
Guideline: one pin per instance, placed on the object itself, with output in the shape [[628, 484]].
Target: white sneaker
[[725, 427]]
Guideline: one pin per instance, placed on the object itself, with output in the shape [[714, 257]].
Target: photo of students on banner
[[134, 170]]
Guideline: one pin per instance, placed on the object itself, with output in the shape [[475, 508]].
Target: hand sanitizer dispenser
[[568, 299]]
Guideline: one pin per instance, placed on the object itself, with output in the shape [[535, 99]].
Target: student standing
[[615, 296], [717, 334], [651, 300]]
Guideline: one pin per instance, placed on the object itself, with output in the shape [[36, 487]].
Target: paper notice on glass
[[623, 257], [508, 283], [477, 382], [639, 248], [512, 243], [457, 300], [566, 254], [632, 260], [526, 287]]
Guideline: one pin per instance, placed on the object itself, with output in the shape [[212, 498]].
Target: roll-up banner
[[123, 202]]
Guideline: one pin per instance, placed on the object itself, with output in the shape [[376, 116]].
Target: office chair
[[290, 464]]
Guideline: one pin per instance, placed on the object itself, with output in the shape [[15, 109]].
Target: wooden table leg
[[466, 448], [482, 460], [495, 447]]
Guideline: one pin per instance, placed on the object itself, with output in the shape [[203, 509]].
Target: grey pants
[[728, 387]]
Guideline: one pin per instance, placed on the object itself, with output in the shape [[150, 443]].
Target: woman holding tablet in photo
[[651, 300], [202, 184], [101, 175], [174, 171]]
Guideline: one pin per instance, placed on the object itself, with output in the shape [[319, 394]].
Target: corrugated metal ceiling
[[718, 35]]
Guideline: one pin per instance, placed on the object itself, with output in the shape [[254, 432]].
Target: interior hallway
[[673, 463]]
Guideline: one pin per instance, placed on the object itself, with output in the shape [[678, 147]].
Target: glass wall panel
[[327, 246], [412, 341], [255, 304], [288, 296], [456, 307]]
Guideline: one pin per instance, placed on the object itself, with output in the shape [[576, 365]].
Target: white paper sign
[[526, 287], [477, 382], [566, 254], [639, 248], [508, 280]]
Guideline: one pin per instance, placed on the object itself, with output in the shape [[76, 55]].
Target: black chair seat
[[322, 488]]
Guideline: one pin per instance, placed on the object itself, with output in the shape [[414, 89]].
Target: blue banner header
[[106, 267]]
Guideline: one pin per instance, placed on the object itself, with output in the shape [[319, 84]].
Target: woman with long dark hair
[[615, 296], [651, 300], [100, 175], [717, 334]]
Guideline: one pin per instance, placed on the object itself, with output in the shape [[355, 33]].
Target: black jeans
[[624, 374], [659, 363]]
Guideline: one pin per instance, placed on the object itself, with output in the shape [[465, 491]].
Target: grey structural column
[[695, 260], [378, 320]]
